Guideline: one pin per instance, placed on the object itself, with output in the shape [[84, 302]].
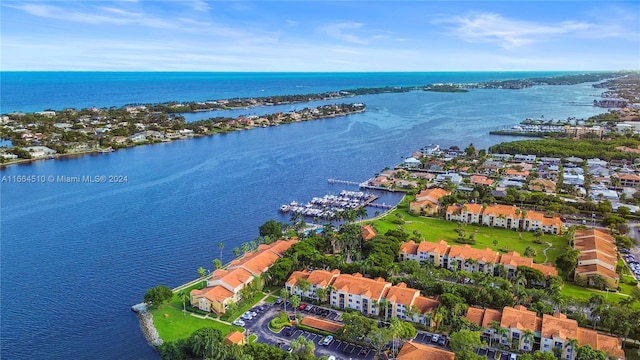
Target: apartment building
[[369, 296], [598, 256], [469, 259], [530, 332], [224, 285], [505, 216]]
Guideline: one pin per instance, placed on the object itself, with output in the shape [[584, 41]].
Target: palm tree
[[366, 265], [183, 297], [245, 248], [502, 332], [202, 272], [304, 285], [236, 251], [383, 307], [220, 247], [439, 316], [560, 301], [217, 264], [284, 294], [495, 327], [572, 346], [321, 294], [295, 302], [528, 337]]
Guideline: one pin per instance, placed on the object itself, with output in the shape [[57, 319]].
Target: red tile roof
[[368, 233], [467, 252], [234, 337], [358, 285], [321, 324], [415, 351], [400, 294], [518, 318]]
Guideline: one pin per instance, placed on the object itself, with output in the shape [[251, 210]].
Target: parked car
[[278, 301], [302, 306], [309, 308], [442, 341], [247, 316], [238, 322], [435, 338], [291, 331], [327, 340]]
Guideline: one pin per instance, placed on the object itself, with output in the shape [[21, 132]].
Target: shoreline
[[195, 135]]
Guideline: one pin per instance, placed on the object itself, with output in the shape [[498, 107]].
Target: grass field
[[433, 229], [632, 354], [176, 325]]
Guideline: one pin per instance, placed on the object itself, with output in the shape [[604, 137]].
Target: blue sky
[[137, 35]]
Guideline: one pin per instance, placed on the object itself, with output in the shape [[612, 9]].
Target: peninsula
[[53, 133]]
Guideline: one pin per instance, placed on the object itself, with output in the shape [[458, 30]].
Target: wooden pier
[[346, 182]]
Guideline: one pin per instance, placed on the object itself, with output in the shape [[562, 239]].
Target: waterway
[[76, 256]]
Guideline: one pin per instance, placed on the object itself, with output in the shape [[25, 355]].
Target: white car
[[238, 322], [247, 316], [327, 340]]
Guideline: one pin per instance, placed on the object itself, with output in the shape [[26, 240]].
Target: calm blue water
[[75, 257], [60, 90]]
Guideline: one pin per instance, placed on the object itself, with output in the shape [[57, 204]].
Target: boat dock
[[346, 182], [329, 206]]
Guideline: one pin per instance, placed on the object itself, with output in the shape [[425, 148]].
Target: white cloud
[[201, 6], [509, 33], [343, 31]]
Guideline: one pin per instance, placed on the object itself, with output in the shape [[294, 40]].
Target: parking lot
[[632, 262], [259, 325]]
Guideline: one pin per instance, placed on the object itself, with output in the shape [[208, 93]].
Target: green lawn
[[252, 338], [579, 292], [270, 299], [632, 354], [433, 229], [176, 326]]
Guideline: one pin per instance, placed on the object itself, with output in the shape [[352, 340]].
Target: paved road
[[341, 350]]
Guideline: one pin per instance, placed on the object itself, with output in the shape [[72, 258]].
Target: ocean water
[[37, 91], [76, 256]]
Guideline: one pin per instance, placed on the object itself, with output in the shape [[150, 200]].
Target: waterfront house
[[39, 151], [431, 149], [411, 162], [139, 137]]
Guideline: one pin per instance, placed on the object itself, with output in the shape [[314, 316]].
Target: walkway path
[[549, 245]]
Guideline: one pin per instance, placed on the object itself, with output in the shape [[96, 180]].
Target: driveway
[[341, 350]]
